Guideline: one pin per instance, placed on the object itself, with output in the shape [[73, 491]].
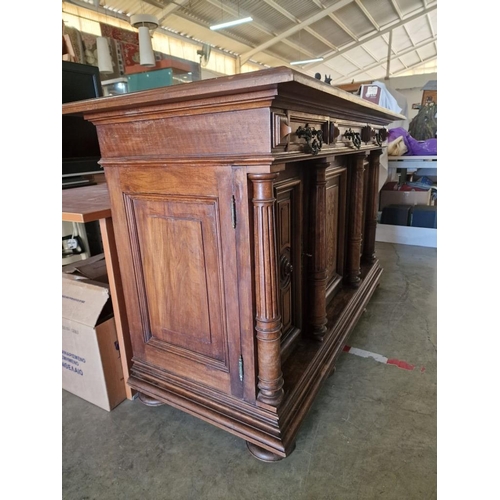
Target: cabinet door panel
[[289, 243], [335, 228], [179, 294], [332, 222], [180, 260]]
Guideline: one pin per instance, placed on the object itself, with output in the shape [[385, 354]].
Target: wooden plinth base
[[265, 455], [148, 400]]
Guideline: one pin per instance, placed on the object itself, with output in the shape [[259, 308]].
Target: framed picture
[[429, 96]]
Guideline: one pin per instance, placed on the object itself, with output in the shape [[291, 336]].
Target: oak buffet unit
[[245, 214]]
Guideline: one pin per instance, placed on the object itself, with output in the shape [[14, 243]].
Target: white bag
[[397, 147]]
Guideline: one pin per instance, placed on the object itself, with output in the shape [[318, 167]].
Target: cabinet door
[[183, 323], [335, 228], [288, 193]]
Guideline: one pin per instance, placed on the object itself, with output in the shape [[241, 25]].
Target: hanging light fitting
[[144, 23], [103, 56]]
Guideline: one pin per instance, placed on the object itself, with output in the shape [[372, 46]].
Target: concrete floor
[[370, 434]]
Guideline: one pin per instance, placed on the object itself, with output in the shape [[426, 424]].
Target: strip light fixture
[[307, 61], [230, 23]]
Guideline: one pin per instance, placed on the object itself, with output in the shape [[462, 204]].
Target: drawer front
[[295, 132]]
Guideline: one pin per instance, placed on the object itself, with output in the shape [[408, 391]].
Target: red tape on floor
[[381, 359]]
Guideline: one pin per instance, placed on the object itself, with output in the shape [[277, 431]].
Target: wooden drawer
[[295, 132]]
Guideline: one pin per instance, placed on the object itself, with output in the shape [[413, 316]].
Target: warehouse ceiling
[[359, 40]]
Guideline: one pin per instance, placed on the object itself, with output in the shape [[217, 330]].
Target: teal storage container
[[150, 79]]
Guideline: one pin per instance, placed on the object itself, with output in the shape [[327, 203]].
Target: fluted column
[[268, 320], [355, 220], [317, 237], [371, 207]]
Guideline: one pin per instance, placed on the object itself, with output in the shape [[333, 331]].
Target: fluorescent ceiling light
[[307, 61], [231, 23]]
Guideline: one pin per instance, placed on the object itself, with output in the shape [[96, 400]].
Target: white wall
[[206, 74], [410, 87]]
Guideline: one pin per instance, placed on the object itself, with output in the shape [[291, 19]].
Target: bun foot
[[148, 400], [265, 455]]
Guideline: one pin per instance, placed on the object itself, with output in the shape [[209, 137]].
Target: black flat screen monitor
[[80, 145]]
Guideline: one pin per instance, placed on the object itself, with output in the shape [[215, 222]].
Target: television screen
[[80, 145]]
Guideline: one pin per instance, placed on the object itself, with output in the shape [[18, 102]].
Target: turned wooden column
[[371, 207], [317, 267], [355, 220], [268, 319]]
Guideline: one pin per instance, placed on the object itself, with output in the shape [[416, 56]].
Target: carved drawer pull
[[366, 134], [313, 137], [353, 137], [381, 136]]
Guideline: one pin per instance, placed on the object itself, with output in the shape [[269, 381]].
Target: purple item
[[415, 148], [423, 148]]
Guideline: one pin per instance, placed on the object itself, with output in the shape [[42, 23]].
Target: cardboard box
[[93, 268], [91, 366], [390, 197]]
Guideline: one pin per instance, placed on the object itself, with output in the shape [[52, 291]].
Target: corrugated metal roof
[[352, 36]]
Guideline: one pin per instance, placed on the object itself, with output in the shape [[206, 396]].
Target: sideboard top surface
[[283, 79]]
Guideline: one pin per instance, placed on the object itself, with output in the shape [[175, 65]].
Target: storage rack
[[407, 235]]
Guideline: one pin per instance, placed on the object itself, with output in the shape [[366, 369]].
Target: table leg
[[116, 290]]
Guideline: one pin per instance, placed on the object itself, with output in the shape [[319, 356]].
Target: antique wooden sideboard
[[245, 213]]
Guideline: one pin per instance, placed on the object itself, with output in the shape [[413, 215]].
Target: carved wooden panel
[[332, 221], [335, 226], [289, 233], [179, 278]]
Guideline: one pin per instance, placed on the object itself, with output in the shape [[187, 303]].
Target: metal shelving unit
[[407, 235]]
